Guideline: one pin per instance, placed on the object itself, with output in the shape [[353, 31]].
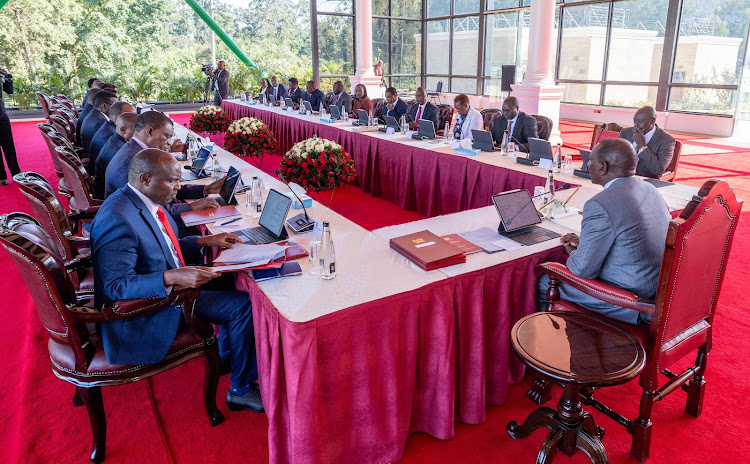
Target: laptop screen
[[275, 211], [200, 161], [364, 118], [516, 209], [230, 185]]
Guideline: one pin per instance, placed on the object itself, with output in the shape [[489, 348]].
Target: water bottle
[[558, 159], [448, 134], [215, 167], [403, 124], [255, 198], [371, 118], [504, 144], [549, 188], [323, 113], [327, 254], [345, 115]]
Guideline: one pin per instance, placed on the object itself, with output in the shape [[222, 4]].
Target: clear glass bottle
[[549, 188], [215, 167], [557, 163], [504, 145], [327, 254], [254, 198], [448, 134], [323, 114], [372, 118], [403, 124]]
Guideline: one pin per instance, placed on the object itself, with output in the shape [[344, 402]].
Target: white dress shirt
[[153, 208], [513, 125]]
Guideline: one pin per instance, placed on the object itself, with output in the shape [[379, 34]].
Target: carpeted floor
[[162, 420]]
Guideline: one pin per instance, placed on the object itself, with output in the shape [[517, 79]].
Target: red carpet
[[162, 420]]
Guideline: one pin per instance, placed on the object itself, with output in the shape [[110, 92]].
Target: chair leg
[[641, 428], [696, 387], [77, 400], [210, 385], [92, 398]]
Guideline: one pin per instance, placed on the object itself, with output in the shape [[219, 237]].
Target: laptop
[[539, 148], [272, 99], [197, 170], [335, 113], [271, 222], [289, 102], [229, 188], [518, 218], [307, 107], [426, 130], [390, 121], [364, 118], [482, 140], [584, 171]]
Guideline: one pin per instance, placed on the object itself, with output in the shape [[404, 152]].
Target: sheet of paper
[[483, 237], [254, 255], [390, 131], [545, 164], [507, 244]]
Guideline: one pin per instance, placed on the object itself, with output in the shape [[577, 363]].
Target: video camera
[[207, 68]]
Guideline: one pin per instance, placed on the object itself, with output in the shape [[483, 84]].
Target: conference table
[[349, 367]]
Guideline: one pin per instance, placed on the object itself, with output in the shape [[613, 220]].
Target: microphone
[[298, 223], [564, 187]]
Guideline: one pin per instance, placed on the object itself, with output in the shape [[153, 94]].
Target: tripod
[[208, 88]]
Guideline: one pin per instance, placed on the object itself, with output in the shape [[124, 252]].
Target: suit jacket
[[315, 99], [473, 121], [90, 126], [130, 257], [622, 239], [430, 113], [524, 129], [399, 109], [344, 102], [296, 95], [656, 155], [221, 76], [105, 131], [82, 117], [85, 103], [280, 92], [108, 151]]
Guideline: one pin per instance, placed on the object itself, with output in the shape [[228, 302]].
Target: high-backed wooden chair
[[62, 126], [377, 104], [77, 354], [488, 117], [78, 181], [45, 103], [47, 129], [445, 112], [609, 130], [543, 126], [69, 104], [671, 172], [692, 272]]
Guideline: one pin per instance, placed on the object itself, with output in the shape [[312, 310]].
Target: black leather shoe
[[251, 401], [3, 182], [225, 367]]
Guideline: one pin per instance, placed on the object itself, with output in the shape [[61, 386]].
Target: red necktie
[[164, 222], [419, 113]]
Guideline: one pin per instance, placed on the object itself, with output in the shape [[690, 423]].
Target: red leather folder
[[427, 250], [210, 215]]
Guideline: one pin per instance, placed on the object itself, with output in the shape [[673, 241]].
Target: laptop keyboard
[[532, 235], [188, 176], [259, 236]]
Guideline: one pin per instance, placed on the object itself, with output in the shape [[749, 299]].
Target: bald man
[[623, 233], [136, 254], [518, 124], [422, 110], [124, 130], [655, 148], [107, 129]]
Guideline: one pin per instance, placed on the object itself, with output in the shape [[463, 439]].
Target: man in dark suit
[[124, 130], [107, 129], [85, 112], [96, 118], [6, 136], [136, 254], [518, 124], [277, 90], [221, 82], [294, 92], [422, 110], [623, 232], [93, 83], [341, 99], [655, 147], [394, 106], [314, 96]]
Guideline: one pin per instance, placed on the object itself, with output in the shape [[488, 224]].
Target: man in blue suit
[[394, 106], [423, 110], [93, 83], [341, 99], [623, 232], [314, 96], [124, 131], [136, 254], [94, 120], [277, 90], [107, 129], [294, 92], [85, 110]]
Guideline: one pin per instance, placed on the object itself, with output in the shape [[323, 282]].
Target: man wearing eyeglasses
[[519, 125]]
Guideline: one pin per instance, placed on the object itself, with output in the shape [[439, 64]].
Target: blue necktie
[[457, 129]]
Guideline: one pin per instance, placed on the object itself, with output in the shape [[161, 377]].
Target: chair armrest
[[596, 288], [131, 308], [82, 215]]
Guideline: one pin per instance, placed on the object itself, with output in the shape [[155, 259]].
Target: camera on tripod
[[207, 68]]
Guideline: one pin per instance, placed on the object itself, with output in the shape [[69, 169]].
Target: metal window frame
[[314, 37]]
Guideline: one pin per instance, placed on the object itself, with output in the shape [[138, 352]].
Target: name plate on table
[[290, 108], [308, 113], [390, 131], [545, 164]]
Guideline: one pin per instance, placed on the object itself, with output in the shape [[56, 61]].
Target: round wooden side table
[[577, 350]]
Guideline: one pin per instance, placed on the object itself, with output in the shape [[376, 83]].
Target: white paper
[[456, 144], [545, 164], [254, 255], [422, 245], [318, 230], [507, 244], [483, 237], [390, 131]]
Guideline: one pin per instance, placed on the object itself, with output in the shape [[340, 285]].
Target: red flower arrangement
[[249, 137], [317, 164], [210, 120]]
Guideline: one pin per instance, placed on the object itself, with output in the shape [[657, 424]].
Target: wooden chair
[[79, 182], [609, 130], [77, 354], [488, 117], [543, 125], [692, 271], [45, 103], [377, 104], [445, 113], [62, 126], [47, 129], [671, 172], [65, 101]]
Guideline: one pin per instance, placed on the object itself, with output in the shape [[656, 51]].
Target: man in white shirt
[[467, 118], [655, 148]]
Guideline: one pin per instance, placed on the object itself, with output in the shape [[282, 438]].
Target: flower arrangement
[[249, 137], [318, 164], [210, 119]]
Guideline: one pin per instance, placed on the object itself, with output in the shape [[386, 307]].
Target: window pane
[[437, 8], [500, 4], [405, 53], [583, 38], [702, 100], [335, 6], [405, 83], [465, 6], [380, 43], [431, 84], [710, 44], [407, 8], [501, 42], [492, 89], [637, 40], [581, 93], [326, 83], [380, 7], [438, 46], [633, 96], [334, 45], [468, 86], [465, 45]]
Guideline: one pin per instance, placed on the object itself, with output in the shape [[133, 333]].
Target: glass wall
[[397, 40], [335, 51]]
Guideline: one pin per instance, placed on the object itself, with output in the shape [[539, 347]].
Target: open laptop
[[584, 171], [229, 188], [426, 130], [272, 99], [307, 107], [390, 121], [518, 218], [538, 149], [364, 118], [197, 170], [289, 102], [271, 222], [334, 110], [482, 140]]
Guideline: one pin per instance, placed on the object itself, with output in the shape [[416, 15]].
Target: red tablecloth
[[427, 181], [352, 385]]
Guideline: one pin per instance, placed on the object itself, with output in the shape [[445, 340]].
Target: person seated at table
[[655, 147], [422, 110], [467, 118], [136, 254], [124, 130], [107, 129], [361, 101], [295, 93], [394, 106], [341, 99], [277, 90], [85, 112], [623, 232], [95, 119], [265, 87], [314, 96], [518, 124]]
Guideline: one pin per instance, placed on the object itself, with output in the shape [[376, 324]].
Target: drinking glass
[[568, 164], [314, 257], [538, 196]]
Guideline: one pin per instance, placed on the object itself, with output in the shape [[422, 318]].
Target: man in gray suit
[[221, 82], [623, 233], [341, 99], [654, 147]]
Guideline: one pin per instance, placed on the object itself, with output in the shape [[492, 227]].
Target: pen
[[229, 222], [571, 196]]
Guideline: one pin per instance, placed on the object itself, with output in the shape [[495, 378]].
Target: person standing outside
[[221, 82], [6, 136]]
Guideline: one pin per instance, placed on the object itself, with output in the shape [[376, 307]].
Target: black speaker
[[508, 77]]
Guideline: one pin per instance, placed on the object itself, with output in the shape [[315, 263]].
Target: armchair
[[78, 181], [671, 172], [604, 131], [62, 126], [692, 271]]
